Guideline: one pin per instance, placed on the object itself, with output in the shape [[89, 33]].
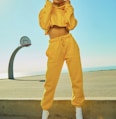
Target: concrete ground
[[96, 84], [20, 98]]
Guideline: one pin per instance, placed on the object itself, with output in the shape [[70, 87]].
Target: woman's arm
[[44, 15], [69, 15]]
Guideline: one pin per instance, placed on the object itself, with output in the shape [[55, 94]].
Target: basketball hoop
[[25, 41]]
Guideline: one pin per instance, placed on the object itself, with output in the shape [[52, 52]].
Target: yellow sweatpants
[[60, 49]]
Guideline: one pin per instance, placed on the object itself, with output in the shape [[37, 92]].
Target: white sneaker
[[79, 114], [45, 114]]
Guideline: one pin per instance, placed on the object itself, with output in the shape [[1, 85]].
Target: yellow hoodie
[[62, 16]]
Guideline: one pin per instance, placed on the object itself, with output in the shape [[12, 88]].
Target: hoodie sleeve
[[44, 15], [71, 22]]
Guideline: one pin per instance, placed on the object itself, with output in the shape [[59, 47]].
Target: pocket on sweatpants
[[47, 51], [53, 50], [50, 50]]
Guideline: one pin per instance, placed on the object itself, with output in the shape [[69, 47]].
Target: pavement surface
[[20, 98], [96, 84]]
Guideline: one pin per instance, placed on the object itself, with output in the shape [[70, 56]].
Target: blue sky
[[95, 33]]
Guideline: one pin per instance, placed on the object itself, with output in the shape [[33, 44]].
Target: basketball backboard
[[25, 41]]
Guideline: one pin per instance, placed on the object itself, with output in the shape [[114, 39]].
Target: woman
[[57, 19]]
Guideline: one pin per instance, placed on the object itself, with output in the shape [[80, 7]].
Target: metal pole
[[10, 67]]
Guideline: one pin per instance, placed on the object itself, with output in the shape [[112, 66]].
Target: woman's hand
[[60, 2], [67, 1]]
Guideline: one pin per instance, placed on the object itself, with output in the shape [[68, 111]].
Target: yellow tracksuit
[[60, 49]]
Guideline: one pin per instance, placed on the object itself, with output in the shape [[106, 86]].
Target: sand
[[96, 84]]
